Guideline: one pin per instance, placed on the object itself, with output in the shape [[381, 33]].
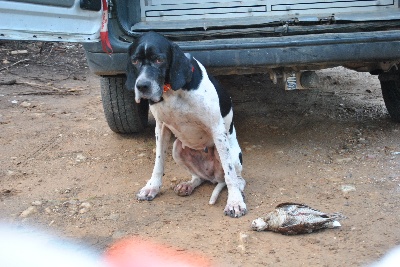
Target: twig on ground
[[67, 92], [49, 89], [16, 63], [41, 86]]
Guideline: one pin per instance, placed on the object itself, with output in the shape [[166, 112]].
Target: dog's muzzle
[[147, 89], [143, 86]]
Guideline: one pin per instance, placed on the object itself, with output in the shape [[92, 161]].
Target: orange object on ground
[[137, 252]]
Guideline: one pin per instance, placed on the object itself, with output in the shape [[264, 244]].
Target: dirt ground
[[63, 170]]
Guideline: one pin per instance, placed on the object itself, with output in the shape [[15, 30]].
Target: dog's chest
[[189, 116]]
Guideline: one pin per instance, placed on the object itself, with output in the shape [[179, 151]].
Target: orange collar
[[167, 86]]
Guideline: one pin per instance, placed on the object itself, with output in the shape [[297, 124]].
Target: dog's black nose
[[143, 85]]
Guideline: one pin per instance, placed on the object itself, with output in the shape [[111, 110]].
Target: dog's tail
[[218, 188]]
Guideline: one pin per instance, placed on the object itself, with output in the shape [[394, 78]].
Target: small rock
[[47, 210], [348, 188], [86, 205], [25, 104], [29, 211], [80, 157], [37, 203], [83, 210], [67, 191], [141, 155]]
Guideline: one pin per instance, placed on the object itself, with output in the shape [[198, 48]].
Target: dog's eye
[[159, 60], [135, 61]]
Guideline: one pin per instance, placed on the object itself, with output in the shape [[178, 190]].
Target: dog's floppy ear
[[130, 73], [180, 71]]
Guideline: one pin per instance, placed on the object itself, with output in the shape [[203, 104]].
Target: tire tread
[[122, 113], [391, 97]]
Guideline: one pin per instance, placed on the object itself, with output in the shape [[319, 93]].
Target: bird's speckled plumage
[[293, 218]]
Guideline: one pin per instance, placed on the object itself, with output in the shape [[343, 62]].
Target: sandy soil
[[334, 148]]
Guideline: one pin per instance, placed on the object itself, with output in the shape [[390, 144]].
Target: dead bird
[[292, 218]]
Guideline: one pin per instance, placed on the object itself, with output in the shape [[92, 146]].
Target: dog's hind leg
[[199, 163], [218, 188], [186, 188]]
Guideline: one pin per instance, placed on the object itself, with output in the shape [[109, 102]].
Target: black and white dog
[[187, 102]]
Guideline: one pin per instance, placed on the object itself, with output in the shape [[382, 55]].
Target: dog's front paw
[[235, 210], [147, 193], [235, 207]]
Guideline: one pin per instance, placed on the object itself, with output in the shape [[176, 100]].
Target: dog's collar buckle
[[167, 87]]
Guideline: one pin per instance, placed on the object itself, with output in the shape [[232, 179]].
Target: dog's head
[[152, 62]]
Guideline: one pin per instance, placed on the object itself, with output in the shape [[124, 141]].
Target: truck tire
[[122, 113], [390, 85]]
